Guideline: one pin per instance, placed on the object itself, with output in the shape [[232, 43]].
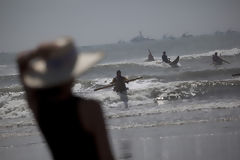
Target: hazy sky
[[25, 23]]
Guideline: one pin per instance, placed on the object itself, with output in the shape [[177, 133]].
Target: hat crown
[[58, 55], [56, 48], [57, 62]]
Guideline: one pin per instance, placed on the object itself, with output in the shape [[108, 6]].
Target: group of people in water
[[217, 60], [165, 58], [119, 81]]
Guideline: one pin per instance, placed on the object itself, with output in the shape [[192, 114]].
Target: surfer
[[165, 58], [150, 56], [120, 87], [236, 74], [173, 63], [218, 60]]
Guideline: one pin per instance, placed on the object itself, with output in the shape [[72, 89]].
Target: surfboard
[[219, 61], [111, 85], [175, 62], [237, 74]]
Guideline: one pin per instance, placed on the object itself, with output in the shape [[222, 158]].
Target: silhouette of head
[[118, 73], [164, 52], [56, 62], [216, 53]]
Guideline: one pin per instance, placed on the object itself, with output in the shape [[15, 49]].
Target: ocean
[[197, 93]]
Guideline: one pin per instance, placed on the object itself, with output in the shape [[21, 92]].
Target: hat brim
[[84, 61]]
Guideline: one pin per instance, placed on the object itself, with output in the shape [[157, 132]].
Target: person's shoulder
[[90, 112]]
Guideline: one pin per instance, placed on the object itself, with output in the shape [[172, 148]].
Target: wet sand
[[24, 148], [208, 141], [198, 141]]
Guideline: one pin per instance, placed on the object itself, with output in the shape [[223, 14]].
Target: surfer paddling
[[168, 61], [165, 58], [218, 60]]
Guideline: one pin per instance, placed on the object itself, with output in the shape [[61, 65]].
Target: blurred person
[[73, 127]]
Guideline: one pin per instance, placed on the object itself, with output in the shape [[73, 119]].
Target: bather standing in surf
[[120, 87]]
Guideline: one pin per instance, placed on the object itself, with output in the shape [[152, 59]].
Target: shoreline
[[211, 140]]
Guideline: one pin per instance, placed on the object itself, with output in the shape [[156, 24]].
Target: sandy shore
[[201, 141], [196, 141], [24, 148]]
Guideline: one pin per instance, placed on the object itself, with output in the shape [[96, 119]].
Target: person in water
[[73, 127], [236, 74], [120, 87], [150, 56], [165, 58], [218, 60]]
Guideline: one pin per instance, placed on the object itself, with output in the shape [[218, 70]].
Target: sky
[[26, 23]]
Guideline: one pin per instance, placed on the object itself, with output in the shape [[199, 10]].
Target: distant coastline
[[140, 38], [184, 44]]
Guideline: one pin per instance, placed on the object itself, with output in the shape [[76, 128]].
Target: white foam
[[14, 109], [230, 52]]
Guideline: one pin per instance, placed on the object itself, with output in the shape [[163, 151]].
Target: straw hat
[[57, 62]]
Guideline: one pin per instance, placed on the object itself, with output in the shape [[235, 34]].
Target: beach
[[207, 140], [214, 140], [186, 112]]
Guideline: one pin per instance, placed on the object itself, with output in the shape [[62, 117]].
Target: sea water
[[195, 92]]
